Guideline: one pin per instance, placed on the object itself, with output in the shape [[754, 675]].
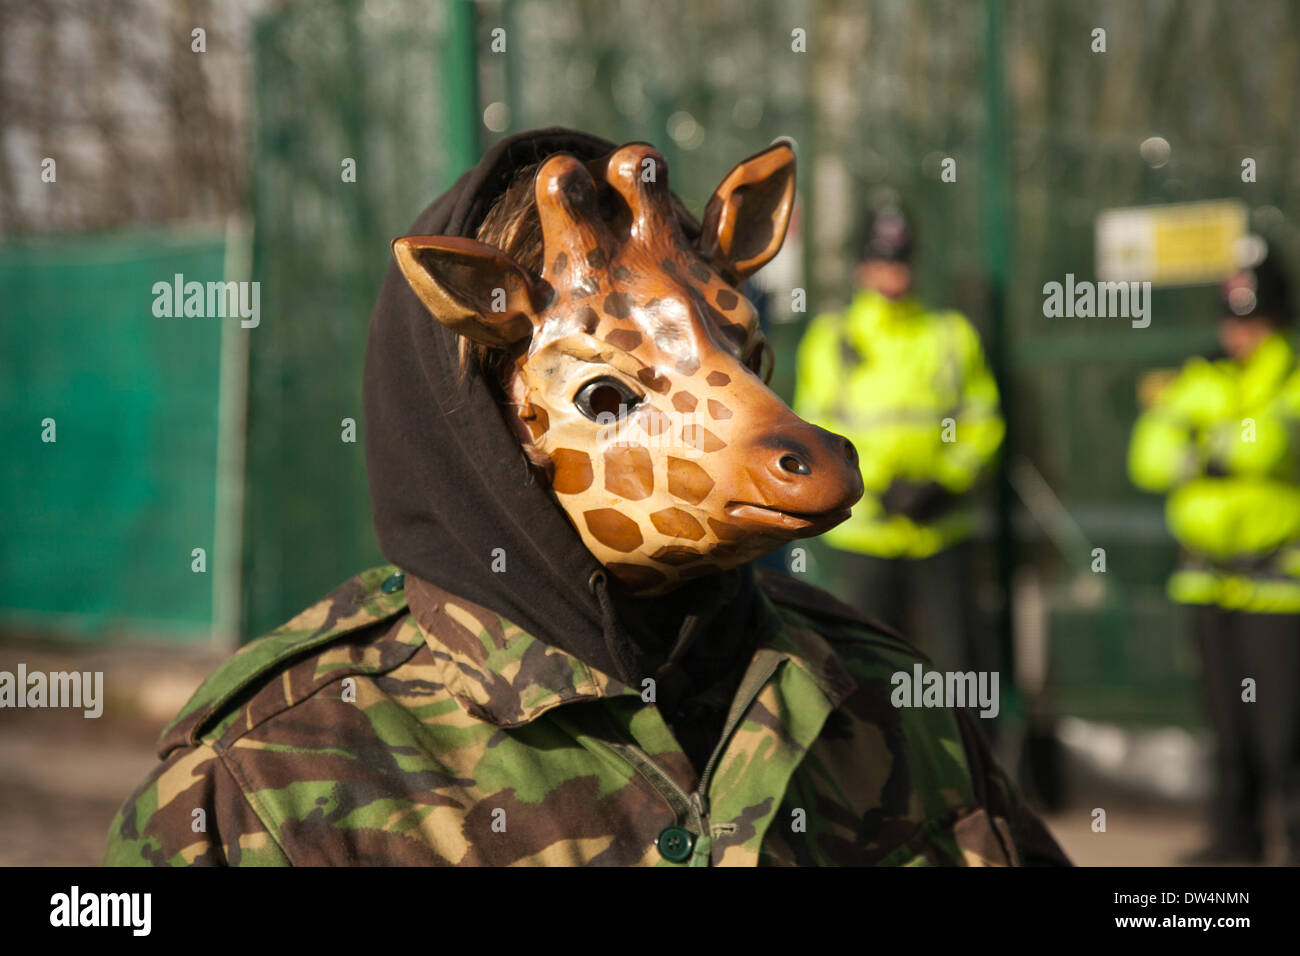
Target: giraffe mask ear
[[745, 221], [470, 287]]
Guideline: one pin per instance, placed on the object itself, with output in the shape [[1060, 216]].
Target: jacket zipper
[[697, 802], [733, 721]]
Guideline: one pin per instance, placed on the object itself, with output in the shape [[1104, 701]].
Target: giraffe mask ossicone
[[634, 378]]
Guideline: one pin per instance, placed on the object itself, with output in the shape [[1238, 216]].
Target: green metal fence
[[1045, 134], [364, 110], [383, 87]]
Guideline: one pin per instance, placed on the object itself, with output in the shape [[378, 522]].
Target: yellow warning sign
[[1176, 244]]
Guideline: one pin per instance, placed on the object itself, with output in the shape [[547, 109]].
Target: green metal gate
[[364, 112], [1045, 133]]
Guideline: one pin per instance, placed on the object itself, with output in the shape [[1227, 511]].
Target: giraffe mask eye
[[606, 399]]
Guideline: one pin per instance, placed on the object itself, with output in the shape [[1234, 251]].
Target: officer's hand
[[917, 501], [1214, 468]]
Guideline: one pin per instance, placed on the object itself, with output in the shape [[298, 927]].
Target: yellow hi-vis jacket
[[1221, 440], [910, 389]]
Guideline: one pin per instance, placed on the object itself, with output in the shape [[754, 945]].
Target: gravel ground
[[1144, 837], [64, 775]]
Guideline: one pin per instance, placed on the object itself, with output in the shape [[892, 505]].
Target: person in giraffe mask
[[574, 460]]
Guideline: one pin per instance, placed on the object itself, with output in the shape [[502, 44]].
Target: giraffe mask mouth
[[792, 523]]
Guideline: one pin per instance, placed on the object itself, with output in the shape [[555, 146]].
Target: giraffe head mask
[[631, 365]]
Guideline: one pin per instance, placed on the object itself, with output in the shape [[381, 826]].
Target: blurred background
[[224, 163]]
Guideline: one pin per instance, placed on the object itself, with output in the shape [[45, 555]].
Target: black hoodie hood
[[449, 485]]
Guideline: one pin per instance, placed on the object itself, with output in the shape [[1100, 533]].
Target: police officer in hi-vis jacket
[[1222, 441], [909, 387]]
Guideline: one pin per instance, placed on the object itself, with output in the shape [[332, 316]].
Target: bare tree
[[145, 122]]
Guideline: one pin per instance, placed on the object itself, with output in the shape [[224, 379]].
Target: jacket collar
[[503, 675]]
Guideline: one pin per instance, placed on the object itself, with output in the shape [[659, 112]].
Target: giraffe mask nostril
[[795, 465]]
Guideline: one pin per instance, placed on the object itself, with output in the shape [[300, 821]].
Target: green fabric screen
[[99, 525]]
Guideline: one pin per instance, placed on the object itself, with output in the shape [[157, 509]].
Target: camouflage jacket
[[365, 732]]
